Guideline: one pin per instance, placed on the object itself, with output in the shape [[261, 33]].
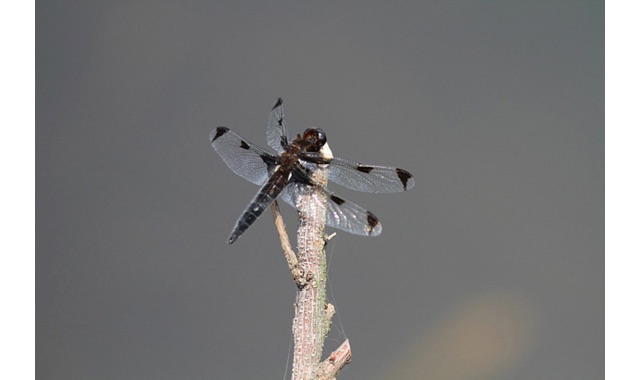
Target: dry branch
[[312, 314]]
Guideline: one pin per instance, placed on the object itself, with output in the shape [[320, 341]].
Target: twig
[[330, 367], [310, 323], [289, 255], [312, 315]]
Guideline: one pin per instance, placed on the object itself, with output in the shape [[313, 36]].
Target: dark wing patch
[[405, 177], [374, 223], [245, 159], [364, 168], [218, 132], [339, 201]]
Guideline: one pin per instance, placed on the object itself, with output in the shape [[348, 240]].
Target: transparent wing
[[341, 214], [245, 159], [369, 178], [276, 129]]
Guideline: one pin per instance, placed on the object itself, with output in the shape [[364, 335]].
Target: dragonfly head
[[316, 141], [316, 138]]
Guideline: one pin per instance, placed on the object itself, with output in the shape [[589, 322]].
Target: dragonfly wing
[[369, 178], [276, 129], [341, 213], [245, 159]]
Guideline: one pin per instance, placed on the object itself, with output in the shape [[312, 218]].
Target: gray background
[[492, 267]]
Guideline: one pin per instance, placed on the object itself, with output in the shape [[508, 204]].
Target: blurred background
[[492, 267]]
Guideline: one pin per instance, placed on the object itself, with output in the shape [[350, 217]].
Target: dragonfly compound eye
[[315, 137]]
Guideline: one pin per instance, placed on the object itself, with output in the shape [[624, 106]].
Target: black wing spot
[[372, 221], [244, 145], [269, 160], [337, 200], [280, 120], [301, 176], [219, 132], [278, 104], [404, 177], [364, 168]]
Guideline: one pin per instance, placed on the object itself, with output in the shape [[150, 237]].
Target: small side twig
[[290, 256], [330, 367]]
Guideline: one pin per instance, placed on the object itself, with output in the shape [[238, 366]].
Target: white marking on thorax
[[325, 151]]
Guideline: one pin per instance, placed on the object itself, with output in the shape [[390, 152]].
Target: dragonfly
[[291, 168]]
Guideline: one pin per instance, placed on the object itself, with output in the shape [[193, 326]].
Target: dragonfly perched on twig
[[284, 173]]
